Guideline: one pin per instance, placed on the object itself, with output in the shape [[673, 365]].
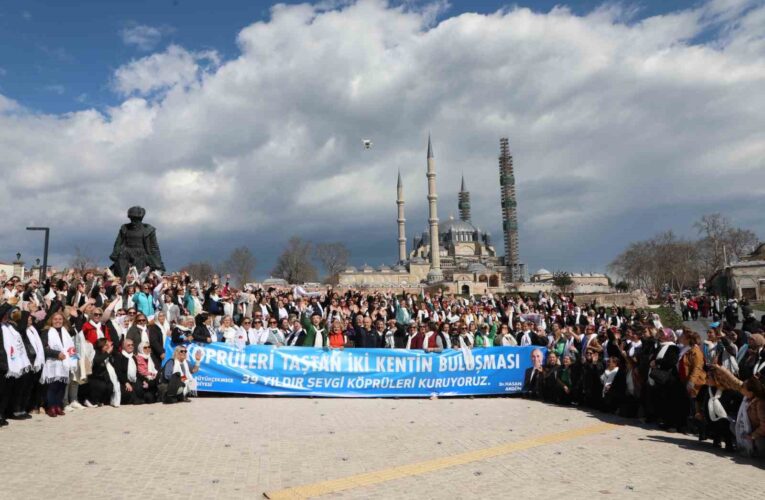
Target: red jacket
[[91, 333]]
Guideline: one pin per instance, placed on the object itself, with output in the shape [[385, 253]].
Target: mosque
[[466, 262]]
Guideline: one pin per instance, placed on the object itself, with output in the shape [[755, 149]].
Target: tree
[[719, 239], [240, 265], [82, 261], [562, 280], [294, 264], [334, 258], [622, 286], [202, 270]]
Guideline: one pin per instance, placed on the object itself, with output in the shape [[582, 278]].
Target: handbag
[[660, 376]]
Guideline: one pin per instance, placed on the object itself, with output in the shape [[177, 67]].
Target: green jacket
[[310, 332], [479, 339]]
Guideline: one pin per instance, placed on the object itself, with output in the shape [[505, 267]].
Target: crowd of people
[[88, 339]]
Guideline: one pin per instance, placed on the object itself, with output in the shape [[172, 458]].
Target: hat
[[716, 324]]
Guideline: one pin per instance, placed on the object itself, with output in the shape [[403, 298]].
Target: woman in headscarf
[[750, 424], [59, 360], [144, 360], [664, 386]]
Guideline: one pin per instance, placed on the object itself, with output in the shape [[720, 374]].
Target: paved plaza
[[360, 448]]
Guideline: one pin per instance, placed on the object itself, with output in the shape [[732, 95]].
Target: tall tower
[[435, 274], [401, 220], [509, 212], [464, 202]]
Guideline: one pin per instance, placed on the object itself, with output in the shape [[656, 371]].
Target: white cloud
[[161, 71], [619, 128], [142, 36]]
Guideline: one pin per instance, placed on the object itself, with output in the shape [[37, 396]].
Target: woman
[[100, 382], [566, 380], [158, 331], [692, 376], [138, 331], [504, 338], [227, 331], [613, 381], [36, 355], [750, 424], [180, 382], [59, 360], [337, 338], [147, 370], [14, 367], [550, 383]]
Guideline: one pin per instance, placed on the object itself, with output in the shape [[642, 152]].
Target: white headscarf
[[149, 361]]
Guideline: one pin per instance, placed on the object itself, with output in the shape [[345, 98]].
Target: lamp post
[[44, 270]]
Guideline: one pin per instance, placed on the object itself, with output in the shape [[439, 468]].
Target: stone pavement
[[237, 447]]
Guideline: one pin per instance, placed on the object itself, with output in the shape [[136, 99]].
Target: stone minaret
[[464, 202], [401, 220], [509, 213], [435, 274]]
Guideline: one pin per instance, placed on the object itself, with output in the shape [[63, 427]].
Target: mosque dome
[[476, 267], [455, 225]]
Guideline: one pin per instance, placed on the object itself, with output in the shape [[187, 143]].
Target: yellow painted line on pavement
[[402, 471]]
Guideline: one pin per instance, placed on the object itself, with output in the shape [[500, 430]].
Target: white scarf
[[164, 327], [229, 335], [241, 338], [18, 361], [149, 362], [526, 339], [467, 354], [97, 325], [409, 340], [182, 369], [318, 341], [633, 346], [56, 370], [34, 338], [131, 367], [743, 427], [716, 410], [608, 378], [116, 390], [425, 340]]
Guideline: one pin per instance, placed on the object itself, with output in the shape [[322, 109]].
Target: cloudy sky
[[245, 125]]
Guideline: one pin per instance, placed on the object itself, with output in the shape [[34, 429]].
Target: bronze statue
[[136, 245]]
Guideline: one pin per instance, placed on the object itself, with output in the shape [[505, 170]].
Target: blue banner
[[303, 371]]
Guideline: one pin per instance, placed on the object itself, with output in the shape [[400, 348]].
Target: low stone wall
[[638, 299]]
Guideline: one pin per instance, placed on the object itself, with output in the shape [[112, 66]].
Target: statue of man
[[136, 245]]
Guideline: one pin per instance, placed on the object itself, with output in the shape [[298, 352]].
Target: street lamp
[[44, 270]]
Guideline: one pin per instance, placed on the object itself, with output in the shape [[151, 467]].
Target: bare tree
[[81, 261], [719, 239], [334, 258], [294, 264], [240, 265], [202, 270]]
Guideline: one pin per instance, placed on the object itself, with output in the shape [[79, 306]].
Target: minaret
[[464, 202], [401, 220], [509, 213], [435, 274]]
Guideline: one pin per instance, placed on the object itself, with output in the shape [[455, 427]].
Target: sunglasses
[[182, 351]]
